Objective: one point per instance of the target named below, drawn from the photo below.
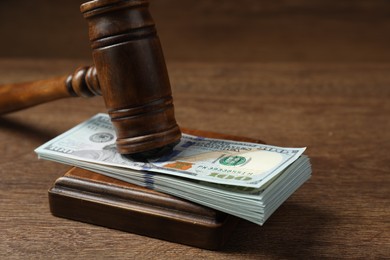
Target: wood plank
(247, 30)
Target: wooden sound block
(93, 198)
(96, 199)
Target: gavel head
(132, 75)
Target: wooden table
(341, 112)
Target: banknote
(255, 205)
(252, 204)
(246, 180)
(198, 158)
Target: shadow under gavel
(129, 72)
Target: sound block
(96, 199)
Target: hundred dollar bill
(255, 205)
(198, 158)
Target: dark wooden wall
(203, 30)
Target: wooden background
(292, 73)
(228, 30)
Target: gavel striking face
(129, 72)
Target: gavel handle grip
(83, 82)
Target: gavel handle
(82, 83)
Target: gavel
(129, 72)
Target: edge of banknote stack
(243, 179)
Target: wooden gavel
(129, 72)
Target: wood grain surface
(340, 111)
(204, 30)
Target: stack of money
(247, 180)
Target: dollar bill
(198, 169)
(255, 205)
(199, 158)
